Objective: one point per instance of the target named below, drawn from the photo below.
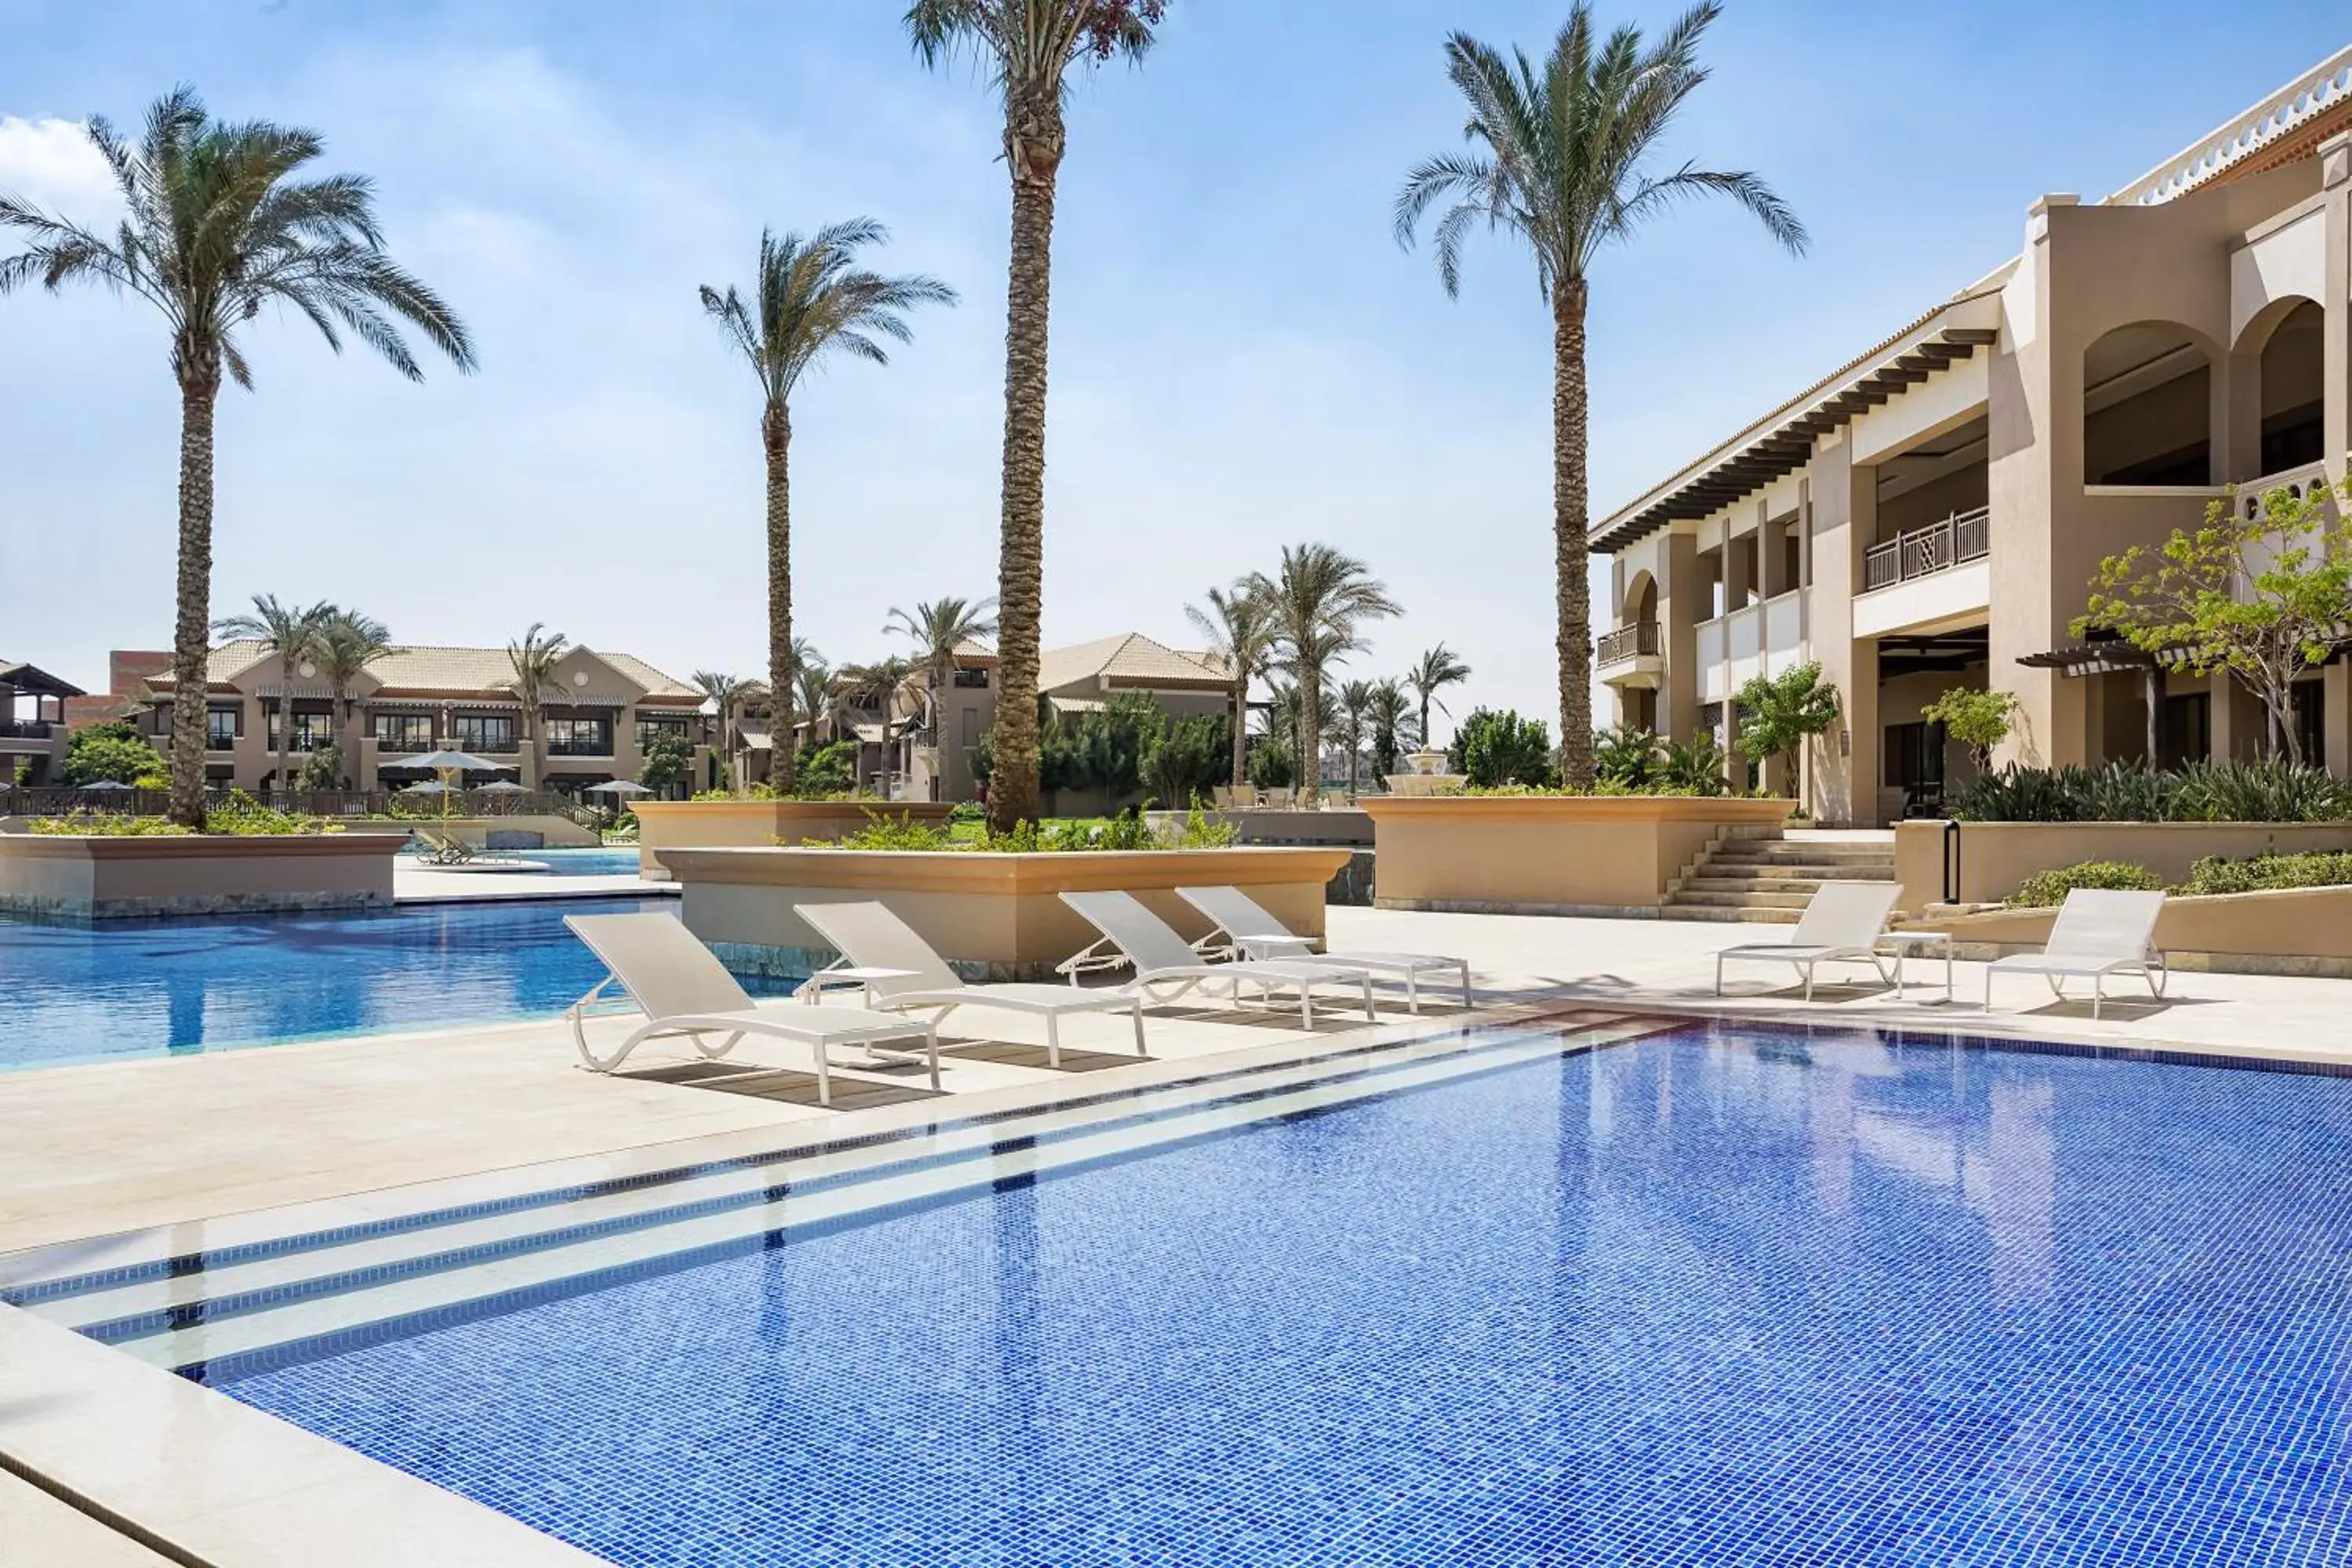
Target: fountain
(1426, 777)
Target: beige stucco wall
(667, 825)
(1997, 857)
(1001, 911)
(1544, 854)
(108, 878)
(2309, 924)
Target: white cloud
(51, 163)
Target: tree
(112, 753)
(1391, 717)
(1287, 714)
(293, 636)
(725, 693)
(1779, 713)
(1625, 757)
(2264, 595)
(217, 226)
(533, 661)
(1496, 749)
(1027, 47)
(1319, 602)
(938, 628)
(1562, 160)
(1355, 714)
(1977, 718)
(349, 642)
(814, 680)
(669, 762)
(1240, 635)
(1186, 759)
(809, 298)
(1439, 669)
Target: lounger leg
(931, 1039)
(1809, 983)
(1718, 975)
(2098, 994)
(1306, 1004)
(1370, 1017)
(1053, 1041)
(824, 1076)
(1411, 990)
(1137, 1014)
(1469, 1003)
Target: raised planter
(523, 830)
(102, 877)
(2291, 930)
(1984, 862)
(997, 917)
(667, 825)
(1548, 854)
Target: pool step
(1771, 880)
(196, 1315)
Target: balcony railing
(1635, 641)
(580, 748)
(1963, 537)
(26, 729)
(2301, 483)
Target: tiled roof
(414, 669)
(1129, 659)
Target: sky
(1243, 356)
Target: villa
(34, 716)
(1930, 514)
(412, 701)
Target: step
(1804, 854)
(242, 1300)
(1740, 897)
(1727, 914)
(1740, 871)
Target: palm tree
(293, 636)
(815, 696)
(1563, 162)
(1240, 634)
(1027, 47)
(724, 692)
(1355, 709)
(534, 660)
(1318, 603)
(347, 644)
(1438, 669)
(218, 226)
(1390, 720)
(809, 298)
(938, 628)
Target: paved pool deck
(95, 1149)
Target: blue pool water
(1729, 1296)
(600, 862)
(133, 988)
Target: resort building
(1930, 514)
(609, 710)
(32, 724)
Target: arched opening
(2294, 389)
(1641, 600)
(2147, 401)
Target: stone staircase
(1769, 877)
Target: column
(2336, 717)
(2241, 722)
(2336, 182)
(1682, 604)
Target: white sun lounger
(871, 937)
(1842, 924)
(2099, 932)
(1161, 957)
(684, 990)
(1245, 924)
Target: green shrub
(2268, 789)
(827, 770)
(2266, 873)
(2046, 889)
(239, 816)
(1626, 757)
(967, 811)
(114, 754)
(1270, 764)
(1492, 749)
(1694, 766)
(107, 825)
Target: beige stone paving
(37, 1531)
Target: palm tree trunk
(285, 723)
(1310, 734)
(776, 439)
(192, 627)
(1019, 585)
(1570, 540)
(1241, 742)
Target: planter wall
(1996, 857)
(665, 825)
(523, 830)
(1552, 854)
(2296, 931)
(996, 917)
(104, 877)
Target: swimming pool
(143, 988)
(607, 860)
(1721, 1294)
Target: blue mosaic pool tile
(1726, 1297)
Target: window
(487, 733)
(309, 730)
(2187, 735)
(970, 726)
(1915, 755)
(2310, 728)
(402, 731)
(971, 679)
(579, 737)
(222, 728)
(652, 730)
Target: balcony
(1963, 537)
(1627, 642)
(26, 729)
(2302, 483)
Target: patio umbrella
(430, 786)
(455, 763)
(619, 788)
(501, 786)
(106, 784)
